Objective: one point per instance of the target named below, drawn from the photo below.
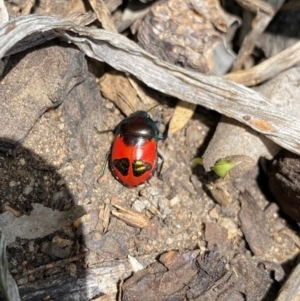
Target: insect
(133, 158)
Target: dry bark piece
(268, 68)
(131, 217)
(200, 46)
(279, 44)
(256, 6)
(284, 182)
(250, 278)
(259, 24)
(176, 275)
(147, 98)
(116, 87)
(28, 7)
(59, 7)
(112, 5)
(86, 284)
(104, 216)
(103, 14)
(281, 33)
(216, 235)
(254, 225)
(247, 278)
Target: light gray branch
(228, 98)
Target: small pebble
(61, 182)
(232, 228)
(27, 190)
(57, 196)
(22, 281)
(31, 278)
(31, 246)
(213, 213)
(12, 183)
(169, 240)
(72, 269)
(175, 200)
(22, 161)
(140, 205)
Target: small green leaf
(222, 167)
(197, 161)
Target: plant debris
(70, 72)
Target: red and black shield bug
(133, 156)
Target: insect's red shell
(133, 157)
(146, 152)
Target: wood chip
(103, 14)
(131, 217)
(254, 225)
(181, 115)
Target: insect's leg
(160, 137)
(161, 164)
(104, 164)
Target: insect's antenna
(105, 131)
(151, 108)
(127, 101)
(103, 168)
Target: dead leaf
(181, 115)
